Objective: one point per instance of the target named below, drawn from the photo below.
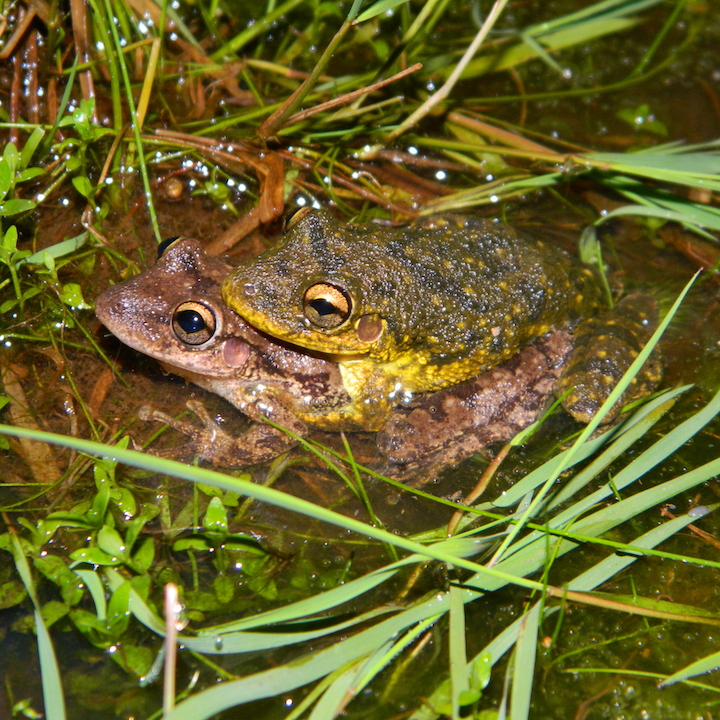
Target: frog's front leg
(373, 391)
(259, 443)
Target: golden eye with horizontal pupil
(193, 323)
(294, 217)
(326, 306)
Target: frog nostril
(249, 289)
(193, 323)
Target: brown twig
(350, 97)
(480, 488)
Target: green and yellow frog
(173, 312)
(411, 309)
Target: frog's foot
(605, 347)
(259, 443)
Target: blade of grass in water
(367, 640)
(524, 666)
(616, 449)
(699, 667)
(585, 582)
(457, 649)
(539, 476)
(342, 689)
(53, 697)
(133, 114)
(609, 403)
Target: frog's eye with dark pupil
(165, 245)
(326, 306)
(193, 323)
(295, 216)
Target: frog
(174, 312)
(415, 308)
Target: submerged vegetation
(315, 586)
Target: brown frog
(174, 313)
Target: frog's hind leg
(605, 347)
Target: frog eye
(193, 323)
(326, 306)
(165, 245)
(294, 217)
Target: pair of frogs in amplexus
(443, 336)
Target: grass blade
(53, 697)
(699, 667)
(524, 666)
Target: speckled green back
(449, 289)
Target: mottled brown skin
(496, 405)
(410, 309)
(259, 377)
(266, 379)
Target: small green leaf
(55, 570)
(193, 543)
(109, 541)
(379, 8)
(143, 558)
(100, 503)
(479, 673)
(73, 162)
(58, 250)
(209, 490)
(119, 607)
(29, 174)
(6, 179)
(11, 157)
(265, 588)
(216, 516)
(133, 659)
(468, 697)
(71, 294)
(643, 120)
(588, 246)
(224, 588)
(125, 502)
(142, 585)
(94, 556)
(9, 243)
(29, 148)
(12, 593)
(93, 583)
(201, 600)
(134, 527)
(15, 206)
(24, 708)
(53, 611)
(83, 186)
(88, 623)
(48, 261)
